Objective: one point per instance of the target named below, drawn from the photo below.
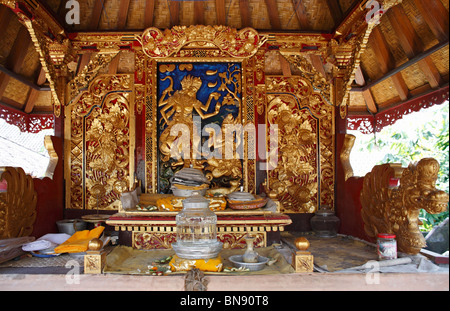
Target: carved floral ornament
(241, 44)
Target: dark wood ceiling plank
(274, 15)
(199, 12)
(246, 19)
(149, 12)
(335, 11)
(412, 44)
(300, 13)
(436, 16)
(123, 14)
(174, 8)
(96, 14)
(221, 13)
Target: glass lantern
(196, 230)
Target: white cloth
(46, 241)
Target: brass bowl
(248, 205)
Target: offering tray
(238, 261)
(258, 202)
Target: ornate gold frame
(100, 144)
(199, 44)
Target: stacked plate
(187, 181)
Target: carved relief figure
(179, 107)
(294, 179)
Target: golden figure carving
(179, 106)
(396, 210)
(349, 141)
(100, 128)
(305, 137)
(17, 204)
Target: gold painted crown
(189, 81)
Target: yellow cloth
(211, 265)
(79, 241)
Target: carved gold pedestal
(94, 261)
(302, 260)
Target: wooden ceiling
(407, 54)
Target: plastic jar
(386, 246)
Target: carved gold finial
(302, 243)
(95, 244)
(302, 260)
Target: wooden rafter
(436, 16)
(96, 14)
(386, 62)
(174, 8)
(335, 11)
(123, 14)
(300, 13)
(412, 44)
(220, 11)
(246, 20)
(274, 16)
(149, 12)
(199, 12)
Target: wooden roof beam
(436, 16)
(149, 12)
(31, 100)
(370, 101)
(386, 61)
(220, 11)
(199, 12)
(123, 14)
(4, 80)
(96, 14)
(174, 9)
(246, 20)
(335, 11)
(300, 12)
(274, 16)
(412, 44)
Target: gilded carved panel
(100, 127)
(301, 167)
(230, 99)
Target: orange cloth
(181, 264)
(79, 241)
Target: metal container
(238, 261)
(69, 226)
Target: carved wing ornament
(17, 204)
(396, 210)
